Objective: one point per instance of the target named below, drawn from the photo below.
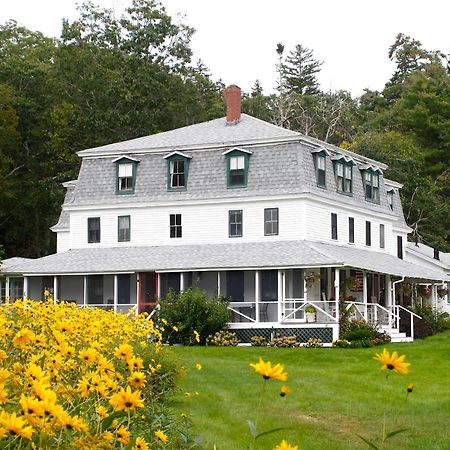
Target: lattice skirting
(303, 334)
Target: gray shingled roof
(13, 265)
(222, 256)
(426, 251)
(214, 132)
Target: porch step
(395, 334)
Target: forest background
(111, 78)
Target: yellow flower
(126, 400)
(15, 425)
(102, 412)
(196, 336)
(73, 423)
(410, 388)
(175, 328)
(3, 355)
(124, 351)
(285, 446)
(23, 338)
(137, 380)
(267, 371)
(161, 436)
(284, 391)
(4, 375)
(140, 444)
(3, 394)
(123, 435)
(198, 366)
(31, 406)
(392, 362)
(187, 394)
(135, 363)
(88, 356)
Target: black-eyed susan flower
(102, 412)
(3, 394)
(140, 444)
(123, 435)
(159, 434)
(23, 338)
(284, 445)
(137, 380)
(3, 355)
(392, 362)
(31, 406)
(124, 352)
(284, 391)
(410, 388)
(88, 356)
(267, 371)
(198, 366)
(15, 425)
(126, 400)
(197, 336)
(135, 363)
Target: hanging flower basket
(311, 278)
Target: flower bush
(83, 378)
(192, 311)
(223, 339)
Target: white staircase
(395, 334)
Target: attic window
(177, 171)
(125, 175)
(237, 167)
(320, 166)
(371, 180)
(344, 176)
(390, 197)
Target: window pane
(321, 162)
(348, 172)
(93, 229)
(236, 177)
(237, 162)
(270, 221)
(340, 170)
(368, 234)
(124, 229)
(376, 180)
(381, 236)
(125, 170)
(235, 223)
(351, 230)
(334, 231)
(321, 177)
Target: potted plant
(310, 314)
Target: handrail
(304, 304)
(242, 314)
(409, 311)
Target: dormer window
(320, 166)
(177, 171)
(390, 198)
(371, 181)
(343, 169)
(125, 175)
(237, 167)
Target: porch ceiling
(249, 255)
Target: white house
(273, 219)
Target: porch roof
(249, 255)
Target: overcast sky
(237, 39)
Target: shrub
(362, 343)
(82, 378)
(258, 341)
(432, 321)
(223, 339)
(284, 341)
(189, 311)
(359, 330)
(341, 343)
(381, 339)
(314, 343)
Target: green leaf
(106, 423)
(393, 433)
(252, 427)
(274, 430)
(370, 444)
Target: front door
(148, 292)
(293, 296)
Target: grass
(335, 395)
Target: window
(351, 230)
(400, 247)
(93, 230)
(320, 170)
(390, 197)
(178, 168)
(125, 175)
(270, 221)
(372, 185)
(382, 243)
(235, 223)
(344, 176)
(368, 234)
(237, 167)
(175, 226)
(123, 234)
(95, 289)
(2, 289)
(334, 230)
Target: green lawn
(335, 394)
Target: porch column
(257, 294)
(182, 281)
(138, 293)
(388, 284)
(85, 290)
(7, 290)
(365, 294)
(25, 287)
(115, 292)
(158, 287)
(433, 296)
(336, 291)
(219, 287)
(280, 295)
(55, 289)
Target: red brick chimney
(232, 96)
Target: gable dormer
(125, 179)
(237, 167)
(343, 172)
(371, 182)
(177, 171)
(320, 163)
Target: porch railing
(325, 311)
(398, 308)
